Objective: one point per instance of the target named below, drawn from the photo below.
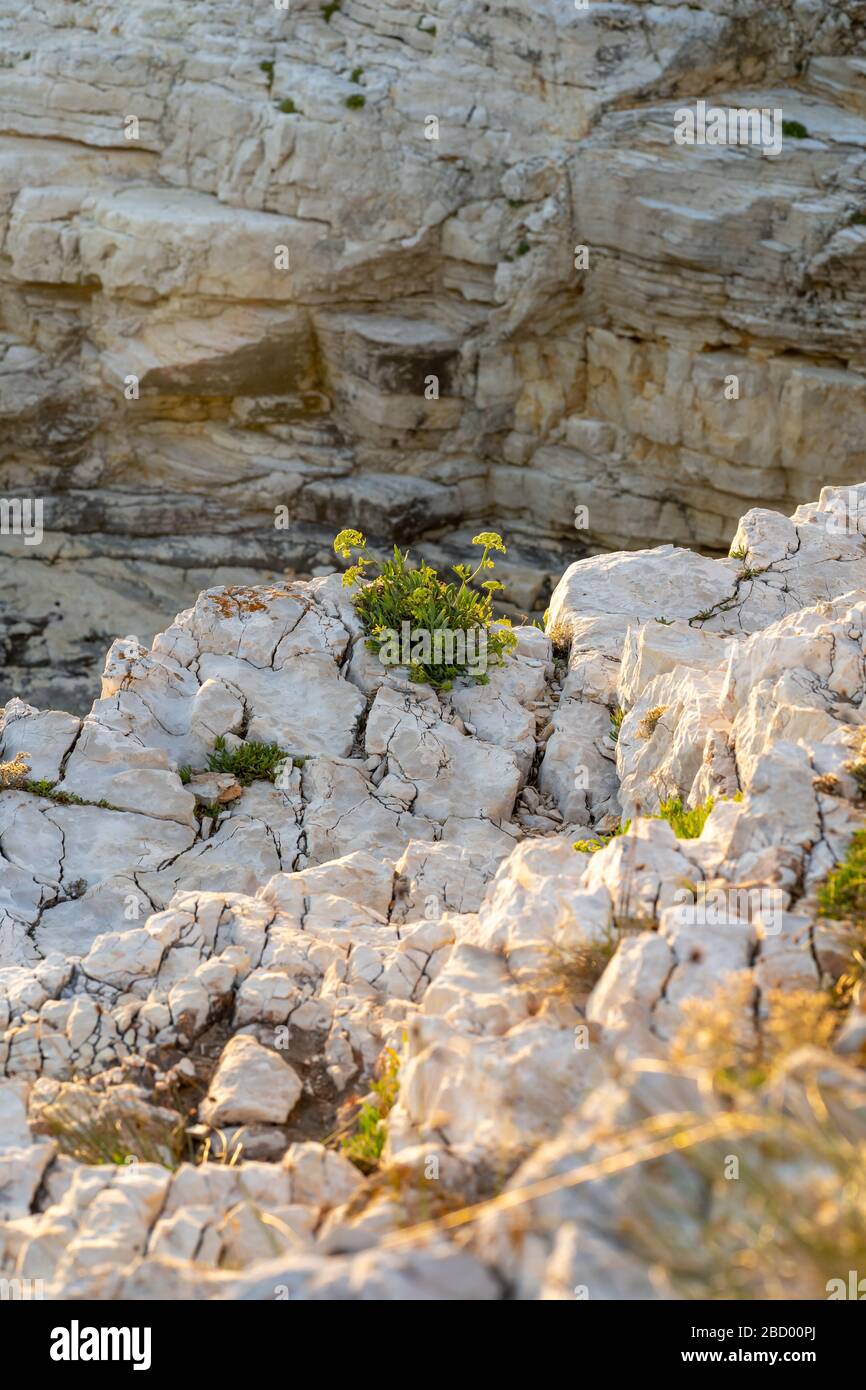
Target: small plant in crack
(267, 67)
(364, 1147)
(795, 129)
(185, 773)
(288, 107)
(686, 822)
(739, 554)
(843, 893)
(208, 810)
(665, 622)
(356, 101)
(414, 618)
(616, 717)
(332, 8)
(249, 762)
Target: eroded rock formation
(153, 159)
(410, 881)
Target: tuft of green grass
(249, 762)
(185, 773)
(843, 893)
(429, 605)
(332, 8)
(616, 717)
(523, 249)
(795, 129)
(356, 74)
(356, 101)
(364, 1147)
(686, 823)
(267, 67)
(287, 107)
(739, 554)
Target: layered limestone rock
(200, 975)
(322, 265)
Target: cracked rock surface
(196, 962)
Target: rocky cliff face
(177, 945)
(319, 265)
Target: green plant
(42, 787)
(795, 129)
(208, 809)
(267, 67)
(665, 622)
(603, 838)
(330, 9)
(426, 29)
(364, 1147)
(857, 219)
(356, 74)
(440, 612)
(287, 107)
(523, 249)
(686, 823)
(248, 762)
(616, 717)
(185, 773)
(843, 893)
(739, 554)
(356, 101)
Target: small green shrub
(267, 67)
(356, 101)
(356, 74)
(616, 717)
(843, 893)
(330, 9)
(429, 605)
(364, 1147)
(287, 107)
(249, 762)
(687, 824)
(857, 219)
(523, 249)
(185, 773)
(795, 129)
